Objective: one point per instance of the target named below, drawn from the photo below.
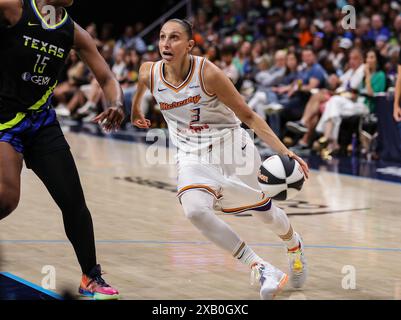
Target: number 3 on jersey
(40, 64)
(195, 115)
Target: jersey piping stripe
(152, 78)
(56, 26)
(12, 123)
(201, 79)
(186, 81)
(246, 208)
(199, 186)
(45, 100)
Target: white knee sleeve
(198, 208)
(276, 218)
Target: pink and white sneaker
(94, 286)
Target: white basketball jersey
(196, 119)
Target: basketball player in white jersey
(204, 111)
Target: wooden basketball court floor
(351, 227)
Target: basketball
(280, 177)
(185, 132)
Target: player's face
(174, 44)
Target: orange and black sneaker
(94, 286)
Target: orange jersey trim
(152, 78)
(186, 81)
(199, 186)
(246, 208)
(201, 79)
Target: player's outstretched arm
(217, 83)
(85, 46)
(137, 116)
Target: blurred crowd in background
(314, 81)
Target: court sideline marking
(156, 242)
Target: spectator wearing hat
(345, 43)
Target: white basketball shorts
(228, 171)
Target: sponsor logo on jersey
(31, 24)
(196, 128)
(44, 47)
(178, 104)
(39, 80)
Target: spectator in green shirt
(359, 103)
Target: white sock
(246, 255)
(291, 240)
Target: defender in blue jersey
(32, 54)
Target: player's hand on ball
(110, 119)
(303, 164)
(139, 120)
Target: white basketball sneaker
(272, 280)
(298, 266)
